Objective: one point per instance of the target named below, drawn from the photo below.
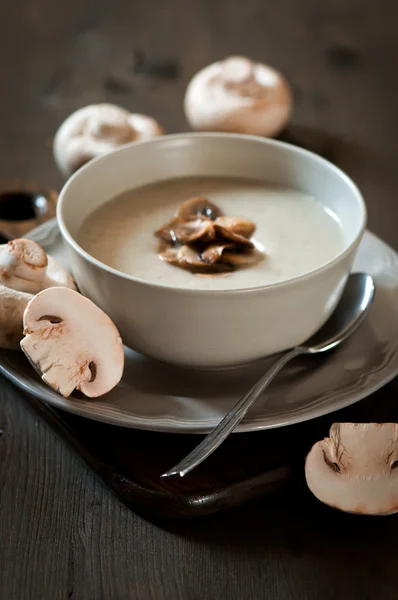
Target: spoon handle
(232, 419)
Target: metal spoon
(349, 314)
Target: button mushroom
(72, 343)
(355, 468)
(25, 270)
(98, 129)
(238, 95)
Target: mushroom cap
(355, 468)
(238, 95)
(72, 343)
(25, 267)
(98, 129)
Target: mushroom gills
(354, 469)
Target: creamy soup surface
(295, 231)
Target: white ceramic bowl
(208, 329)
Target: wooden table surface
(62, 534)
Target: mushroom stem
(12, 306)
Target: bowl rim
(215, 291)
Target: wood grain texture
(62, 535)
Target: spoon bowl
(349, 314)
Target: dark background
(62, 534)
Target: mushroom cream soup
(294, 231)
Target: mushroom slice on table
(355, 468)
(72, 343)
(238, 95)
(97, 129)
(25, 270)
(199, 207)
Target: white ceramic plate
(159, 397)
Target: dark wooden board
(246, 467)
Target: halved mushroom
(25, 269)
(72, 343)
(238, 95)
(97, 129)
(355, 468)
(199, 207)
(184, 232)
(237, 225)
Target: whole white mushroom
(25, 270)
(355, 468)
(97, 129)
(238, 95)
